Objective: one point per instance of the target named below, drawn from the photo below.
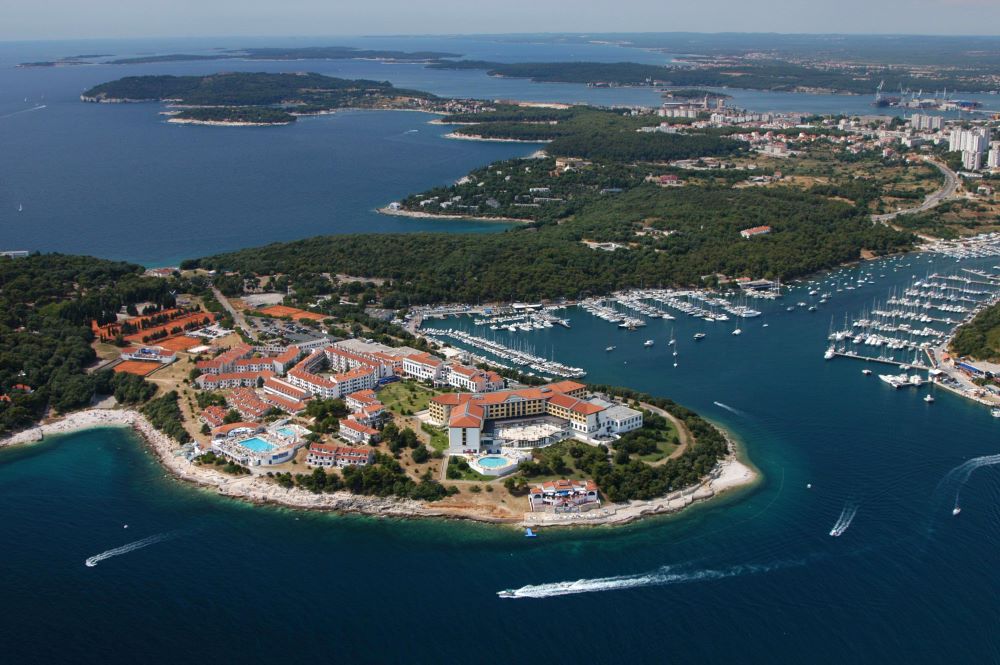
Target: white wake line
(965, 470)
(661, 577)
(130, 547)
(729, 408)
(34, 108)
(844, 521)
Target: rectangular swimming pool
(258, 445)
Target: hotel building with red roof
(469, 416)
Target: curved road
(946, 192)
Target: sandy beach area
(477, 137)
(429, 215)
(729, 474)
(225, 123)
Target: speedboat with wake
(507, 593)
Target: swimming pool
(287, 431)
(258, 445)
(495, 465)
(493, 462)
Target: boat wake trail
(844, 521)
(34, 108)
(961, 474)
(661, 577)
(729, 408)
(130, 547)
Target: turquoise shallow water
(754, 577)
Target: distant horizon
(138, 19)
(420, 35)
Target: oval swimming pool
(493, 462)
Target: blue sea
(753, 577)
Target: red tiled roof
(226, 429)
(358, 427)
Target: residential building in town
(424, 367)
(473, 379)
(334, 455)
(357, 432)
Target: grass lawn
(439, 440)
(663, 449)
(406, 396)
(469, 474)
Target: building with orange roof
(473, 379)
(424, 367)
(213, 416)
(231, 380)
(564, 496)
(356, 432)
(247, 403)
(236, 430)
(333, 455)
(561, 409)
(360, 399)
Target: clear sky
(62, 19)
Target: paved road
(946, 192)
(237, 316)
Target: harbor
(913, 329)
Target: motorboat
(928, 398)
(866, 372)
(956, 510)
(829, 353)
(648, 343)
(609, 349)
(506, 593)
(700, 335)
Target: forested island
(251, 89)
(263, 98)
(293, 53)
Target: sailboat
(673, 340)
(20, 208)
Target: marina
(913, 328)
(521, 358)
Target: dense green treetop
(248, 89)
